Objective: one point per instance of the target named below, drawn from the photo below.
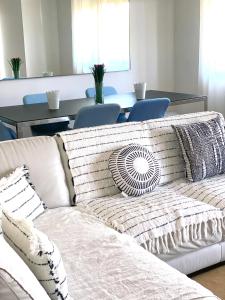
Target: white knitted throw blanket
(159, 221)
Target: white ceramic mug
(53, 99)
(140, 90)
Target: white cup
(53, 99)
(140, 90)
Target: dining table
(23, 117)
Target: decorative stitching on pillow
(41, 255)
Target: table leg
(23, 131)
(205, 103)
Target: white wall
(186, 51)
(152, 59)
(49, 15)
(187, 27)
(65, 36)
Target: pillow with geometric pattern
(16, 280)
(203, 148)
(134, 169)
(17, 195)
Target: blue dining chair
(35, 99)
(107, 91)
(44, 129)
(149, 109)
(97, 115)
(6, 133)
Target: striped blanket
(159, 221)
(210, 190)
(86, 151)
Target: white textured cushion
(41, 255)
(210, 190)
(17, 195)
(41, 156)
(134, 170)
(16, 279)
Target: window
(212, 50)
(212, 42)
(100, 31)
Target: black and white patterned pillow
(17, 195)
(203, 148)
(16, 279)
(40, 254)
(134, 169)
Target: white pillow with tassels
(38, 252)
(17, 195)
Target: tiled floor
(214, 280)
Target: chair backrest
(97, 115)
(5, 133)
(149, 109)
(35, 98)
(107, 91)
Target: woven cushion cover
(203, 148)
(134, 170)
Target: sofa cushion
(165, 145)
(203, 148)
(41, 156)
(16, 279)
(134, 170)
(17, 195)
(38, 252)
(210, 190)
(159, 221)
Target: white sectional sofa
(100, 262)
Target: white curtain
(212, 53)
(100, 30)
(2, 64)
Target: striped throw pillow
(17, 282)
(134, 169)
(203, 148)
(17, 195)
(38, 252)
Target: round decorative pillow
(134, 169)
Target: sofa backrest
(85, 152)
(41, 156)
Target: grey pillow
(203, 148)
(134, 169)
